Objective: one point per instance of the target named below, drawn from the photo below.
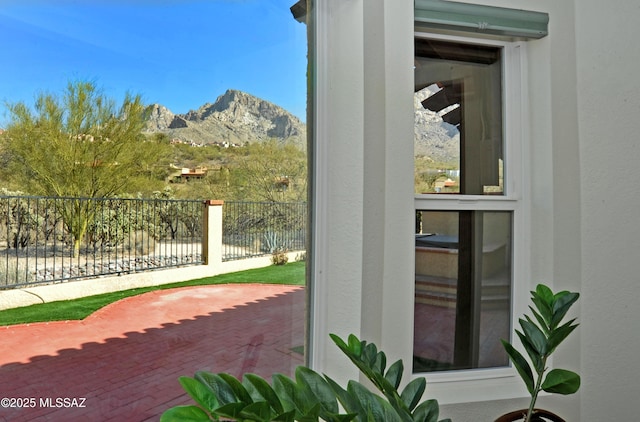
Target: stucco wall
(584, 99)
(362, 185)
(583, 104)
(608, 53)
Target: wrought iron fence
(261, 228)
(45, 239)
(49, 240)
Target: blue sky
(179, 53)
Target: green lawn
(292, 273)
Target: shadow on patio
(125, 359)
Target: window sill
(473, 385)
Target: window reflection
(458, 119)
(463, 289)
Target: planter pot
(540, 415)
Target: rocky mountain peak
(433, 137)
(159, 118)
(235, 117)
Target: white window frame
(493, 383)
(362, 49)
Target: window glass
(458, 119)
(223, 84)
(463, 250)
(463, 289)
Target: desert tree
(270, 171)
(80, 144)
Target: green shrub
(279, 257)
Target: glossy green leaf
(544, 310)
(376, 409)
(521, 365)
(340, 418)
(561, 298)
(394, 374)
(285, 388)
(366, 398)
(231, 410)
(260, 389)
(534, 336)
(354, 350)
(544, 325)
(286, 417)
(369, 354)
(318, 387)
(559, 334)
(531, 321)
(338, 341)
(350, 403)
(413, 392)
(238, 389)
(258, 411)
(311, 414)
(561, 381)
(185, 414)
(535, 357)
(380, 363)
(295, 396)
(344, 347)
(542, 298)
(200, 393)
(223, 392)
(561, 305)
(355, 345)
(427, 411)
(543, 292)
(386, 388)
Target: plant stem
(536, 390)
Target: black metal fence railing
(259, 228)
(50, 240)
(45, 239)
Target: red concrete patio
(125, 359)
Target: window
(214, 74)
(467, 205)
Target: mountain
(434, 138)
(235, 118)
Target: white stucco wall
(608, 53)
(363, 187)
(583, 100)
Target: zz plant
(540, 337)
(309, 396)
(398, 406)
